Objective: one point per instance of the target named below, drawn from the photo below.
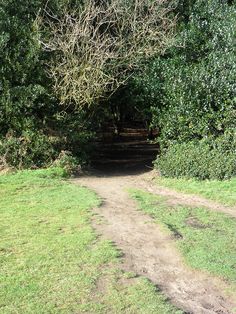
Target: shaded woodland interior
(129, 149)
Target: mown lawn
(206, 239)
(220, 191)
(51, 260)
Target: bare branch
(96, 49)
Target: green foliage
(191, 90)
(33, 127)
(22, 91)
(30, 150)
(192, 87)
(205, 238)
(35, 148)
(67, 162)
(188, 93)
(200, 159)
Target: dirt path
(180, 198)
(148, 251)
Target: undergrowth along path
(148, 250)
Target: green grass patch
(220, 191)
(206, 239)
(51, 260)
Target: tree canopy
(66, 66)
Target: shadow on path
(129, 153)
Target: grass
(206, 239)
(220, 191)
(51, 260)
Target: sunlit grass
(206, 239)
(220, 191)
(51, 260)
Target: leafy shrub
(205, 159)
(192, 87)
(191, 90)
(67, 162)
(34, 129)
(31, 150)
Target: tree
(192, 88)
(97, 47)
(33, 128)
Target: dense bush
(29, 150)
(67, 162)
(25, 103)
(192, 87)
(204, 159)
(34, 149)
(33, 127)
(192, 92)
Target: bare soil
(150, 252)
(177, 198)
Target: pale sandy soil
(147, 250)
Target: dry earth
(147, 250)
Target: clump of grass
(206, 238)
(50, 257)
(220, 191)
